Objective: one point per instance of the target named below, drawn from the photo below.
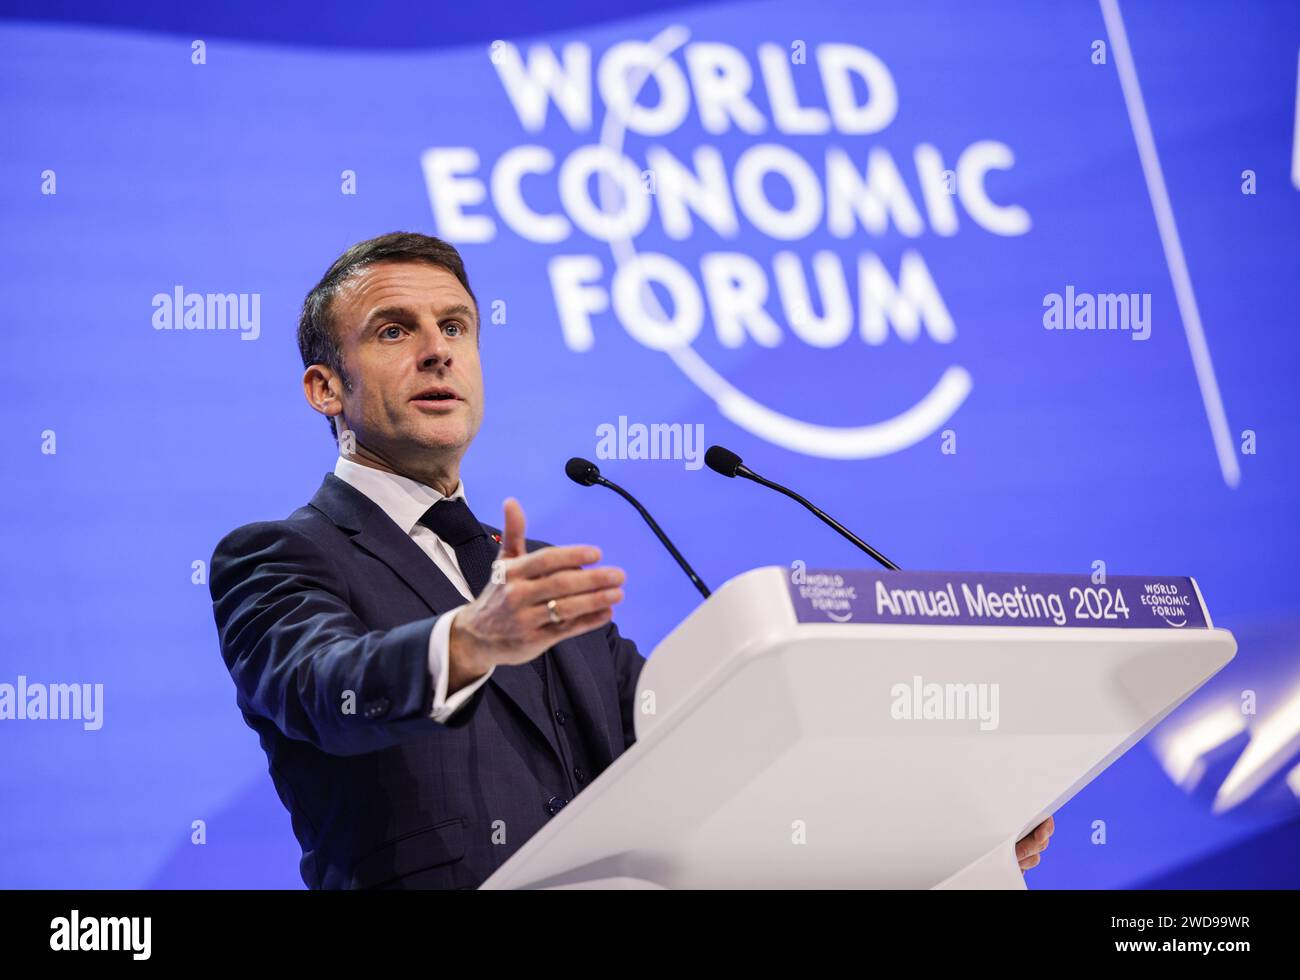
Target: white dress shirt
(405, 501)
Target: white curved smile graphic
(831, 442)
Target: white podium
(861, 729)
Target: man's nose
(436, 350)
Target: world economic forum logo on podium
(777, 194)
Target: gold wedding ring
(552, 610)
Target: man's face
(409, 336)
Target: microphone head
(722, 461)
(582, 471)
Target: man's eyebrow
(401, 313)
(460, 309)
(389, 313)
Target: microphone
(727, 463)
(585, 473)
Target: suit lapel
(374, 532)
(519, 684)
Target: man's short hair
(318, 341)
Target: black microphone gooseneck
(727, 463)
(585, 473)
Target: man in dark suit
(429, 690)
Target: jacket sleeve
(301, 658)
(627, 669)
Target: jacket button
(561, 717)
(554, 805)
(377, 708)
(579, 775)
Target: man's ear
(323, 389)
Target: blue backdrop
(644, 198)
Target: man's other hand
(1029, 849)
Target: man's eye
(453, 325)
(392, 331)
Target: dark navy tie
(455, 523)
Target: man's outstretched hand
(509, 622)
(1029, 849)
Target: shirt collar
(404, 500)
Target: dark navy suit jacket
(338, 599)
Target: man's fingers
(1026, 847)
(573, 607)
(569, 582)
(583, 624)
(556, 558)
(1036, 840)
(512, 531)
(1030, 862)
(573, 626)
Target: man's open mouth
(433, 395)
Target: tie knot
(453, 521)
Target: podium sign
(884, 729)
(997, 599)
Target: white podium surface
(778, 751)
